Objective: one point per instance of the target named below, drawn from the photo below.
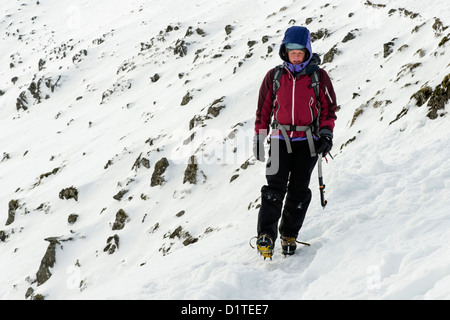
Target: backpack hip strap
(306, 129)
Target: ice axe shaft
(323, 202)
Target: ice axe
(323, 202)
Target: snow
(383, 235)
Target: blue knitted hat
(294, 46)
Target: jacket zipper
(293, 104)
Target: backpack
(314, 127)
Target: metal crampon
(264, 246)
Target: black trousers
(288, 175)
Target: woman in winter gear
(292, 157)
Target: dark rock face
(157, 176)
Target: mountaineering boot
(288, 245)
(264, 244)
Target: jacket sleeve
(328, 102)
(265, 103)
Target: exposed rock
(181, 234)
(41, 64)
(387, 48)
(359, 111)
(436, 98)
(69, 193)
(422, 95)
(251, 43)
(439, 97)
(37, 90)
(215, 108)
(348, 141)
(118, 88)
(374, 5)
(199, 31)
(38, 297)
(441, 43)
(6, 156)
(195, 121)
(187, 97)
(46, 175)
(29, 292)
(329, 56)
(322, 33)
(112, 243)
(228, 29)
(213, 111)
(3, 236)
(121, 218)
(22, 101)
(48, 261)
(12, 207)
(399, 115)
(190, 174)
(180, 48)
(190, 240)
(72, 218)
(408, 13)
(157, 176)
(126, 66)
(155, 77)
(348, 37)
(141, 161)
(177, 233)
(179, 214)
(79, 56)
(407, 69)
(120, 195)
(438, 26)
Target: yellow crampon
(264, 247)
(266, 252)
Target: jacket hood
(298, 35)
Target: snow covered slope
(126, 169)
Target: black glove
(258, 147)
(325, 142)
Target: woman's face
(296, 56)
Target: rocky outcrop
(157, 176)
(37, 91)
(12, 207)
(121, 218)
(69, 193)
(438, 99)
(48, 261)
(190, 174)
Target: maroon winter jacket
(295, 103)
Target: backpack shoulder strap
(278, 72)
(315, 83)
